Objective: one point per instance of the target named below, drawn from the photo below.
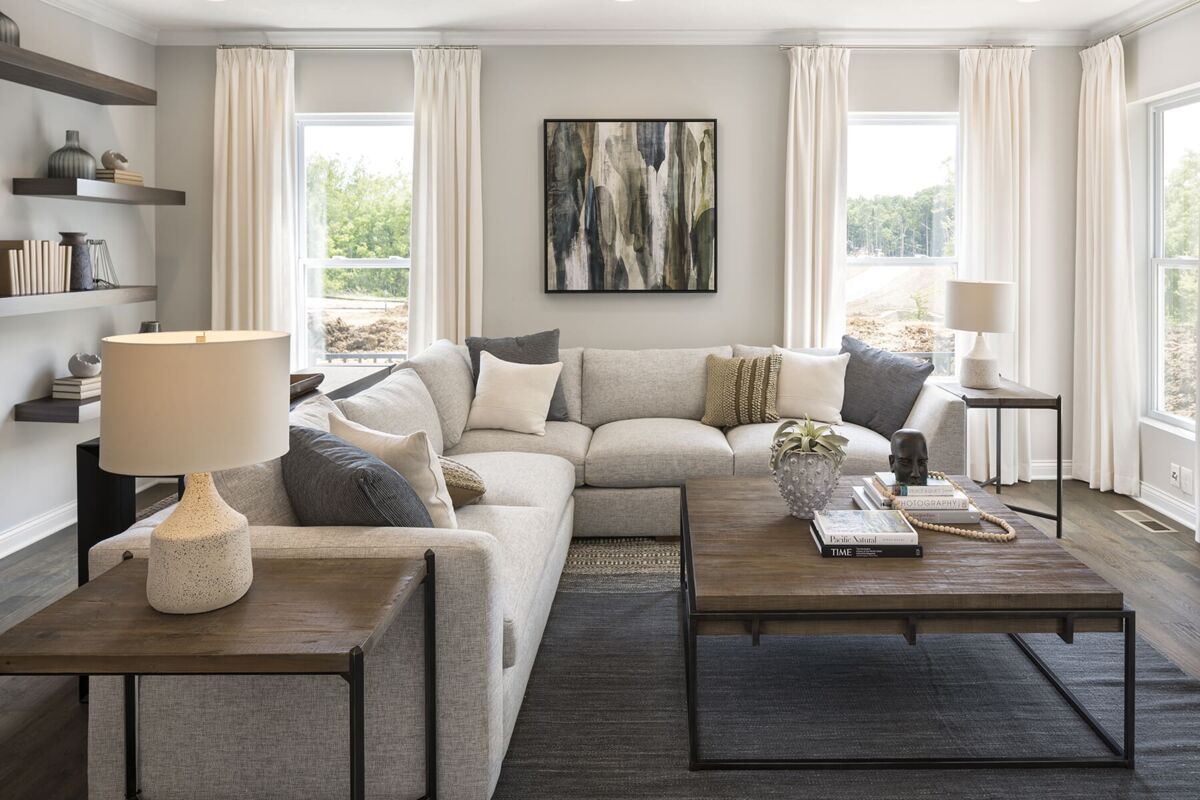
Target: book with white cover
(868, 502)
(935, 487)
(864, 527)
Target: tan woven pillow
(741, 391)
(463, 483)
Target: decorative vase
(9, 32)
(71, 160)
(81, 262)
(806, 481)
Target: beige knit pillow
(741, 391)
(464, 483)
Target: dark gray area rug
(604, 714)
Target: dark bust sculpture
(909, 458)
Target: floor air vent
(1145, 521)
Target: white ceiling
(719, 17)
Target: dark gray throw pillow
(332, 482)
(535, 348)
(881, 387)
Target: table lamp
(188, 403)
(981, 307)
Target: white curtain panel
(1107, 377)
(815, 202)
(993, 230)
(446, 286)
(254, 206)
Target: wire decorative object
(102, 264)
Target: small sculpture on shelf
(111, 159)
(84, 365)
(103, 269)
(71, 160)
(909, 458)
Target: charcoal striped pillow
(741, 391)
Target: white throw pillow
(513, 397)
(811, 385)
(412, 456)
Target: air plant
(794, 436)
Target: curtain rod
(1159, 17)
(921, 46)
(347, 47)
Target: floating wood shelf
(48, 409)
(97, 191)
(43, 72)
(71, 301)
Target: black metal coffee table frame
(1122, 750)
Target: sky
(379, 146)
(890, 158)
(1181, 132)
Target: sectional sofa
(612, 469)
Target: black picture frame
(546, 171)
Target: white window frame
(303, 262)
(921, 118)
(1157, 262)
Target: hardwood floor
(43, 728)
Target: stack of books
(75, 388)
(938, 502)
(125, 176)
(864, 534)
(34, 267)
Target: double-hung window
(1175, 247)
(900, 232)
(355, 210)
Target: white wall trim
(1131, 16)
(1177, 508)
(398, 38)
(100, 14)
(1045, 469)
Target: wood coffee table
(749, 568)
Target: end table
(301, 616)
(1013, 395)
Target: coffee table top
(300, 616)
(750, 554)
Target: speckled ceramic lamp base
(200, 555)
(979, 369)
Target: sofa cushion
(446, 372)
(811, 385)
(751, 444)
(567, 439)
(511, 396)
(400, 404)
(533, 348)
(572, 381)
(526, 538)
(314, 413)
(655, 452)
(755, 351)
(881, 387)
(741, 390)
(522, 479)
(465, 485)
(634, 384)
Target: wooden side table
(1011, 394)
(300, 617)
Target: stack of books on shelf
(34, 267)
(125, 176)
(75, 388)
(864, 534)
(938, 502)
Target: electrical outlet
(1185, 480)
(1175, 475)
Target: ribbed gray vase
(9, 32)
(806, 481)
(71, 160)
(81, 261)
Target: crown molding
(1131, 16)
(100, 14)
(393, 38)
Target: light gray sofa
(612, 469)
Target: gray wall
(37, 460)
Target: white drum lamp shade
(192, 403)
(982, 307)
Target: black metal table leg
(999, 451)
(357, 726)
(1130, 685)
(132, 789)
(1058, 489)
(431, 752)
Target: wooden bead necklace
(988, 536)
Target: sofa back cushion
(634, 384)
(445, 369)
(400, 404)
(571, 381)
(754, 351)
(533, 348)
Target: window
(355, 210)
(1175, 246)
(900, 232)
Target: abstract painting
(631, 205)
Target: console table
(1013, 395)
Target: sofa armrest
(470, 643)
(942, 417)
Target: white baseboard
(39, 527)
(1168, 505)
(1046, 469)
